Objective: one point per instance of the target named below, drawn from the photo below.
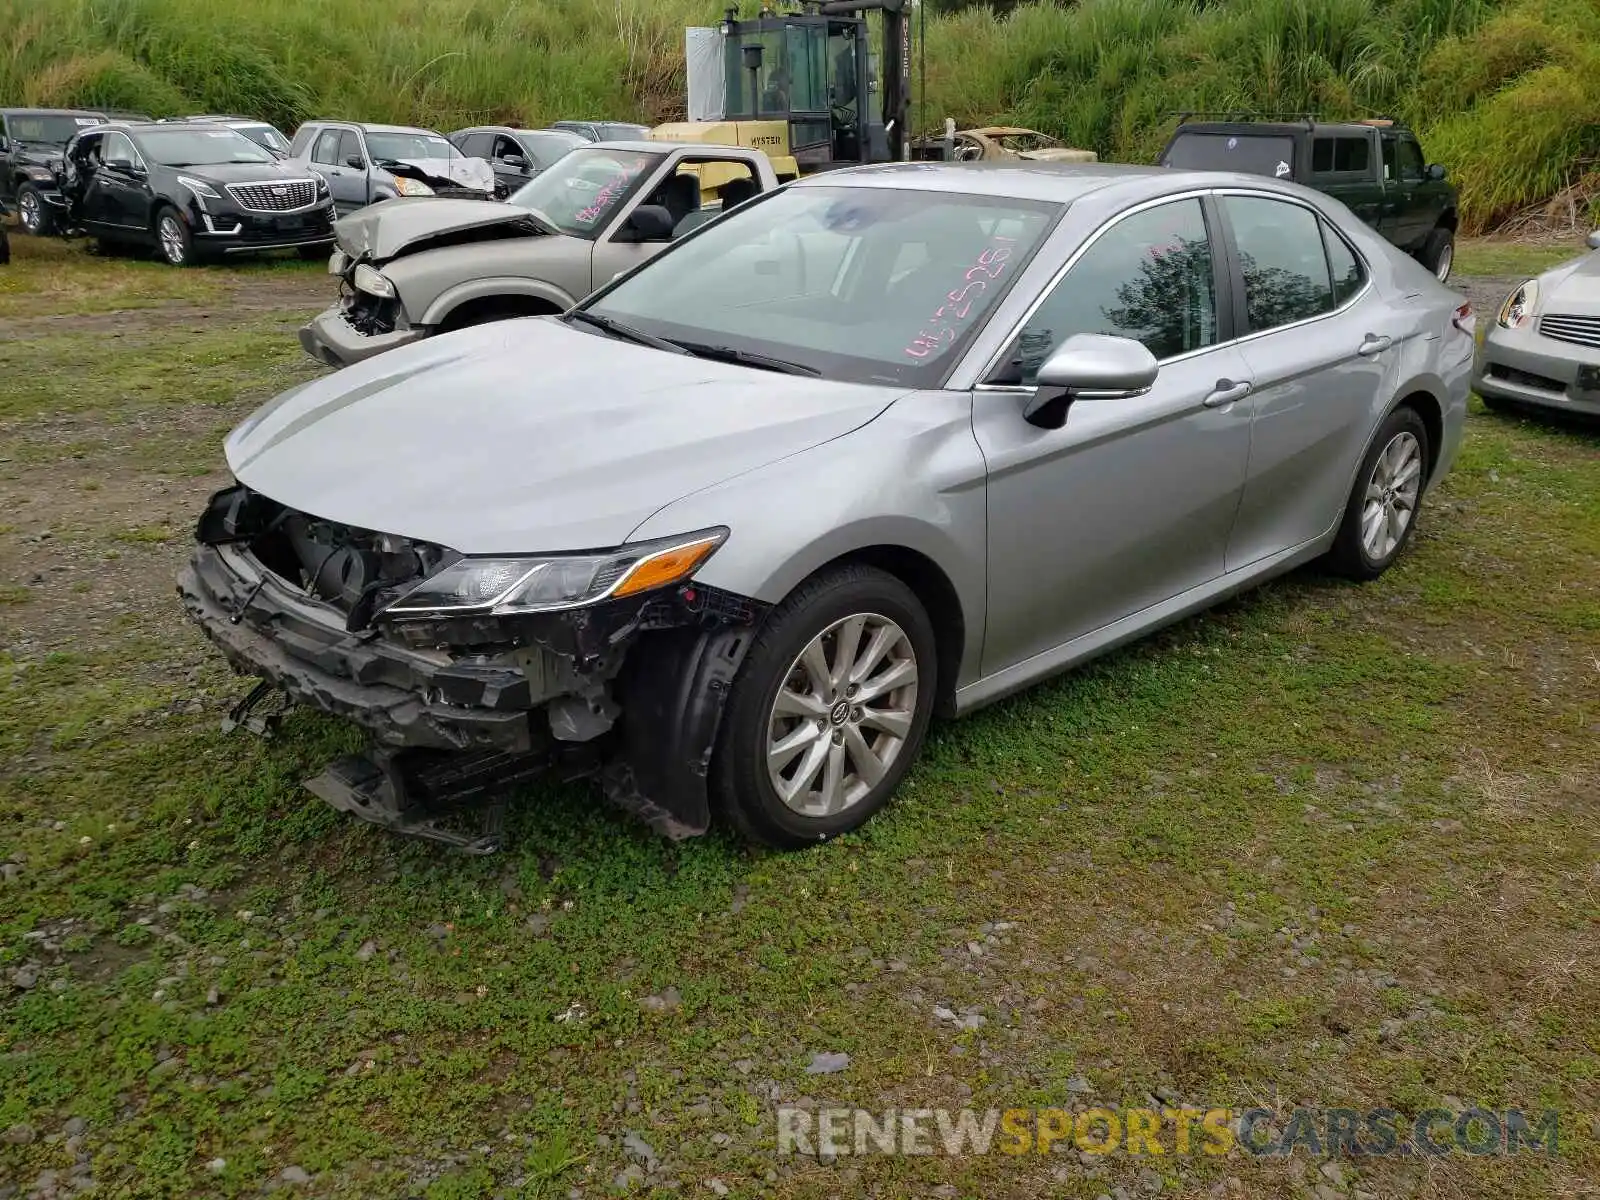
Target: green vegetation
(1330, 843)
(1506, 92)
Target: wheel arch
(518, 303)
(500, 289)
(936, 591)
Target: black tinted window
(1148, 278)
(1345, 155)
(1348, 274)
(1409, 156)
(476, 145)
(350, 146)
(1280, 253)
(1256, 154)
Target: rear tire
(831, 704)
(1384, 505)
(1439, 252)
(34, 212)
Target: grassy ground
(1327, 845)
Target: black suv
(31, 141)
(1376, 168)
(192, 190)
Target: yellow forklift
(797, 85)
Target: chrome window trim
(1027, 389)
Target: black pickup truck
(31, 141)
(1375, 167)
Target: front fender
(500, 285)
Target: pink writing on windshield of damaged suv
(943, 326)
(608, 192)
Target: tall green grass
(1505, 92)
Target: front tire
(828, 711)
(33, 212)
(1439, 252)
(1381, 515)
(173, 241)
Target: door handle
(1227, 391)
(1374, 344)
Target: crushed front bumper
(404, 697)
(330, 338)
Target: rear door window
(1285, 268)
(1348, 274)
(1341, 156)
(1254, 154)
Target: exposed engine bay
(463, 709)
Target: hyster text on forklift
(798, 84)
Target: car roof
(1284, 127)
(1054, 182)
(53, 112)
(368, 127)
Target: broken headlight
(512, 586)
(370, 280)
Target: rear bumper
(404, 697)
(331, 339)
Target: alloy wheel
(1391, 498)
(30, 212)
(172, 244)
(1446, 261)
(841, 716)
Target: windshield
(581, 191)
(546, 148)
(871, 285)
(1256, 154)
(265, 135)
(397, 147)
(53, 130)
(199, 147)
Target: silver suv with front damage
(409, 271)
(888, 442)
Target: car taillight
(1465, 319)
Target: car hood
(277, 171)
(381, 231)
(529, 435)
(463, 172)
(1573, 287)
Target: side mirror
(514, 160)
(1089, 366)
(356, 161)
(1594, 240)
(648, 223)
(1436, 172)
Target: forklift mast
(810, 71)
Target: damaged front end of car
(472, 674)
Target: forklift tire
(1439, 252)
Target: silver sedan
(1543, 346)
(885, 443)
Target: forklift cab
(812, 72)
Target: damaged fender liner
(673, 686)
